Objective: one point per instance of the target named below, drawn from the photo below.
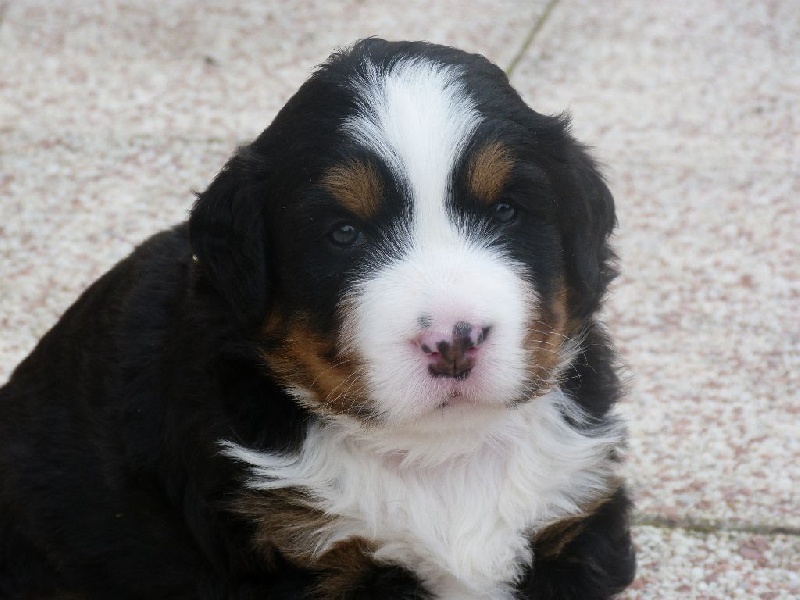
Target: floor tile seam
(531, 36)
(713, 526)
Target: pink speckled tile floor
(214, 69)
(112, 112)
(692, 105)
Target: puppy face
(418, 247)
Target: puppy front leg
(591, 558)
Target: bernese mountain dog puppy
(368, 367)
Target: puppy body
(368, 367)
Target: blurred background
(112, 111)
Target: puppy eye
(503, 212)
(345, 235)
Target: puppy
(369, 366)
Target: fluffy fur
(367, 367)
(461, 523)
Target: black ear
(588, 219)
(226, 231)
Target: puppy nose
(452, 353)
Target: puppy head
(413, 244)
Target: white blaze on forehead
(418, 117)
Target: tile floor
(112, 111)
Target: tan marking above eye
(489, 170)
(357, 186)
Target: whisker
(329, 396)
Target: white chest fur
(459, 518)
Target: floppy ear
(226, 232)
(588, 221)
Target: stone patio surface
(112, 111)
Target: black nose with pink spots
(452, 353)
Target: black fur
(598, 563)
(111, 481)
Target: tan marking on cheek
(547, 338)
(489, 171)
(301, 357)
(357, 186)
